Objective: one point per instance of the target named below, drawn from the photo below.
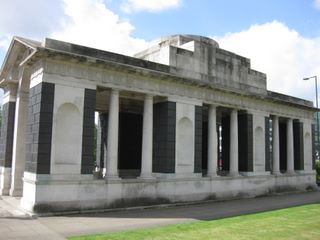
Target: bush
(317, 166)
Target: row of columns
(213, 142)
(111, 164)
(276, 146)
(111, 160)
(111, 171)
(18, 94)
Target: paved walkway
(15, 225)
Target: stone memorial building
(181, 121)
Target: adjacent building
(181, 121)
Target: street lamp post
(316, 86)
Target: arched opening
(185, 146)
(67, 137)
(259, 157)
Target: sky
(281, 37)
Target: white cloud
(149, 5)
(281, 53)
(5, 41)
(317, 3)
(91, 23)
(33, 18)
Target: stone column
(234, 154)
(212, 142)
(147, 135)
(6, 137)
(111, 164)
(290, 155)
(275, 146)
(98, 146)
(19, 143)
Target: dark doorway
(283, 146)
(225, 142)
(130, 144)
(205, 143)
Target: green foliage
(295, 223)
(317, 167)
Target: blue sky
(281, 37)
(218, 17)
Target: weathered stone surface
(163, 94)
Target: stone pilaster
(246, 144)
(147, 136)
(313, 143)
(164, 137)
(111, 171)
(198, 140)
(234, 153)
(19, 143)
(212, 142)
(39, 128)
(6, 137)
(88, 131)
(298, 142)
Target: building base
(48, 194)
(5, 180)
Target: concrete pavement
(60, 227)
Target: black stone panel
(164, 137)
(245, 141)
(298, 145)
(87, 158)
(130, 141)
(198, 140)
(283, 146)
(267, 144)
(204, 145)
(6, 137)
(225, 154)
(39, 128)
(313, 136)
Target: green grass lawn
(301, 222)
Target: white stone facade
(196, 123)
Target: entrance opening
(283, 146)
(204, 140)
(130, 131)
(224, 134)
(130, 144)
(130, 137)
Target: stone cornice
(79, 74)
(141, 67)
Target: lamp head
(305, 79)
